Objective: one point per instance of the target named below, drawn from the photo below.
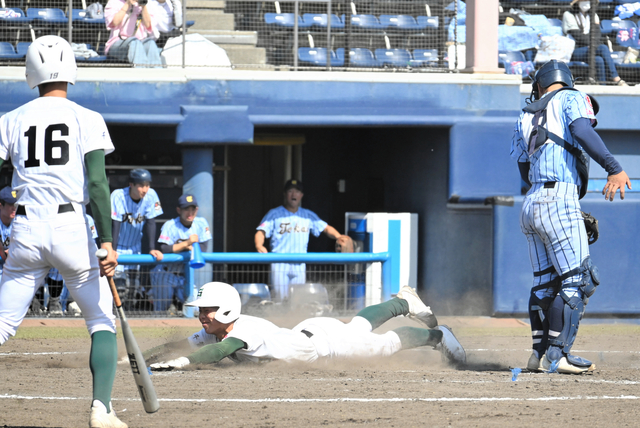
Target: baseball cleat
(564, 366)
(452, 350)
(535, 364)
(417, 309)
(101, 419)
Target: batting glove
(178, 363)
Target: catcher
(243, 338)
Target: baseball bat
(196, 261)
(136, 360)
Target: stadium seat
(358, 57)
(393, 57)
(399, 22)
(320, 20)
(609, 26)
(428, 22)
(316, 56)
(8, 52)
(425, 58)
(22, 48)
(286, 20)
(81, 16)
(49, 15)
(365, 22)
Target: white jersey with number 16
(46, 140)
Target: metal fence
(373, 35)
(335, 283)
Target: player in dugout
(244, 338)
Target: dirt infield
(45, 382)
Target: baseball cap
(7, 195)
(187, 201)
(139, 176)
(293, 184)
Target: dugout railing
(335, 283)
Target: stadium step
(226, 37)
(208, 19)
(245, 55)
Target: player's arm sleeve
(215, 352)
(589, 139)
(115, 231)
(99, 193)
(150, 227)
(166, 248)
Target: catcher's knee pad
(572, 312)
(590, 278)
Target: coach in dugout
(288, 227)
(134, 209)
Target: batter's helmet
(221, 295)
(50, 59)
(139, 176)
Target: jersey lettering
(286, 228)
(62, 155)
(129, 218)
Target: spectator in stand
(576, 23)
(131, 37)
(165, 21)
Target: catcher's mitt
(591, 224)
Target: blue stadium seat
(81, 15)
(393, 57)
(428, 22)
(358, 57)
(316, 56)
(366, 22)
(286, 20)
(8, 52)
(609, 26)
(320, 20)
(400, 22)
(425, 58)
(22, 48)
(49, 15)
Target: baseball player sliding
(57, 149)
(243, 338)
(548, 141)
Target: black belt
(306, 333)
(63, 208)
(550, 184)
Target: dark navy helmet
(139, 176)
(553, 72)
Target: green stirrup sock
(103, 361)
(383, 312)
(412, 337)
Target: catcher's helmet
(139, 176)
(552, 72)
(50, 59)
(221, 295)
